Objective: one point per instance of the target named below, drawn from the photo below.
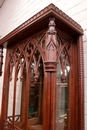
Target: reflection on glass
(62, 90)
(18, 98)
(36, 91)
(10, 97)
(63, 101)
(34, 102)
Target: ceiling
(1, 3)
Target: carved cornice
(50, 10)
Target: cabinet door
(66, 88)
(62, 96)
(35, 108)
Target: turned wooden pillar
(81, 83)
(50, 77)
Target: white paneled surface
(0, 24)
(85, 122)
(15, 12)
(77, 8)
(1, 3)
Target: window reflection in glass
(10, 97)
(63, 100)
(18, 101)
(36, 91)
(34, 101)
(62, 92)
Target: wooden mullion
(5, 92)
(14, 96)
(27, 95)
(53, 100)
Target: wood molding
(81, 83)
(50, 11)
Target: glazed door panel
(62, 93)
(66, 88)
(24, 98)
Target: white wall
(15, 12)
(0, 24)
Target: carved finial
(51, 33)
(52, 25)
(51, 47)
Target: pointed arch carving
(20, 57)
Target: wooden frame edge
(50, 9)
(81, 84)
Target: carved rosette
(51, 47)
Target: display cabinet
(43, 79)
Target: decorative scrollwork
(11, 68)
(22, 53)
(65, 60)
(63, 54)
(9, 126)
(17, 54)
(28, 50)
(64, 47)
(35, 66)
(17, 118)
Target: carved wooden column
(81, 83)
(1, 59)
(5, 94)
(1, 62)
(50, 76)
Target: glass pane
(63, 100)
(62, 92)
(36, 91)
(18, 98)
(10, 96)
(20, 95)
(34, 102)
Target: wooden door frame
(69, 26)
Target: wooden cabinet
(43, 80)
